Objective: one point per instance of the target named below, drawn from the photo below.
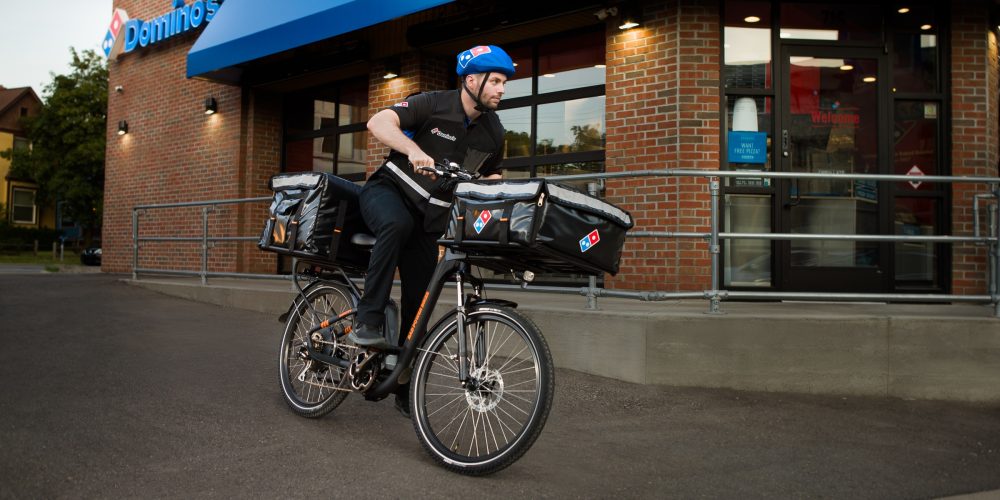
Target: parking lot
(115, 391)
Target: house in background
(18, 197)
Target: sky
(37, 34)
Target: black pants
(400, 241)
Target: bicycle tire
(323, 387)
(461, 428)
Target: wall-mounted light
(119, 89)
(391, 69)
(630, 17)
(211, 106)
(122, 127)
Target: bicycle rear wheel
(311, 388)
(487, 426)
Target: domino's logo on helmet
(484, 59)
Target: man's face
(492, 92)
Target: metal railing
(713, 237)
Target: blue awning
(244, 30)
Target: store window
(834, 21)
(748, 80)
(22, 206)
(325, 130)
(553, 108)
(915, 49)
(747, 45)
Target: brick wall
(172, 153)
(419, 73)
(663, 112)
(974, 132)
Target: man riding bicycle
(407, 207)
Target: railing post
(204, 245)
(135, 244)
(713, 247)
(995, 248)
(592, 280)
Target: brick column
(974, 89)
(663, 112)
(261, 160)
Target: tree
(66, 158)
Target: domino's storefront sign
(125, 35)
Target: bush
(27, 235)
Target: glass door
(831, 122)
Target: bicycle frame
(453, 264)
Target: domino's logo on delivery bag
(481, 221)
(589, 241)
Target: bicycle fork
(463, 348)
(478, 343)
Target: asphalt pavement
(108, 390)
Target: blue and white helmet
(484, 59)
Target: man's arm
(385, 127)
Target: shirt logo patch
(436, 131)
(403, 104)
(472, 53)
(481, 221)
(589, 241)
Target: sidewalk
(922, 351)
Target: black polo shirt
(436, 121)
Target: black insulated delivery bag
(312, 217)
(537, 225)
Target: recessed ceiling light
(868, 79)
(926, 27)
(549, 75)
(903, 10)
(600, 66)
(752, 19)
(846, 67)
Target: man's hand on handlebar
(419, 161)
(448, 171)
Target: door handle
(784, 143)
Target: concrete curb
(948, 352)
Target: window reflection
(571, 62)
(353, 103)
(517, 138)
(571, 126)
(593, 167)
(748, 262)
(916, 261)
(915, 142)
(352, 155)
(325, 130)
(831, 21)
(520, 85)
(747, 44)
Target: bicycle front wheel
(489, 424)
(311, 388)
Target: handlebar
(450, 170)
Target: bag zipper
(541, 199)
